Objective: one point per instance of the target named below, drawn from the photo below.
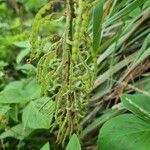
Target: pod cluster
(67, 70)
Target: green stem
(70, 36)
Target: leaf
(126, 10)
(22, 44)
(13, 113)
(138, 104)
(26, 68)
(146, 4)
(16, 85)
(117, 67)
(145, 46)
(12, 95)
(101, 120)
(102, 90)
(45, 146)
(147, 85)
(97, 25)
(4, 109)
(74, 143)
(30, 5)
(18, 132)
(24, 52)
(125, 132)
(34, 118)
(135, 12)
(31, 89)
(20, 92)
(21, 55)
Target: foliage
(62, 74)
(128, 131)
(73, 143)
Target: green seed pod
(92, 4)
(85, 22)
(77, 32)
(35, 28)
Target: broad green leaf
(97, 25)
(99, 121)
(4, 109)
(12, 95)
(19, 132)
(26, 68)
(13, 113)
(16, 85)
(22, 44)
(20, 92)
(31, 89)
(74, 143)
(24, 52)
(35, 117)
(21, 55)
(125, 132)
(138, 104)
(45, 146)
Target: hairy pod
(64, 71)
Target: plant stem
(70, 34)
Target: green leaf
(13, 113)
(23, 44)
(74, 143)
(37, 118)
(4, 109)
(20, 92)
(21, 55)
(138, 104)
(45, 146)
(146, 4)
(30, 5)
(146, 85)
(31, 89)
(19, 132)
(125, 132)
(97, 25)
(135, 12)
(26, 68)
(126, 10)
(24, 52)
(99, 121)
(145, 46)
(12, 95)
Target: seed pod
(69, 75)
(77, 32)
(35, 28)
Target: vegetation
(74, 74)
